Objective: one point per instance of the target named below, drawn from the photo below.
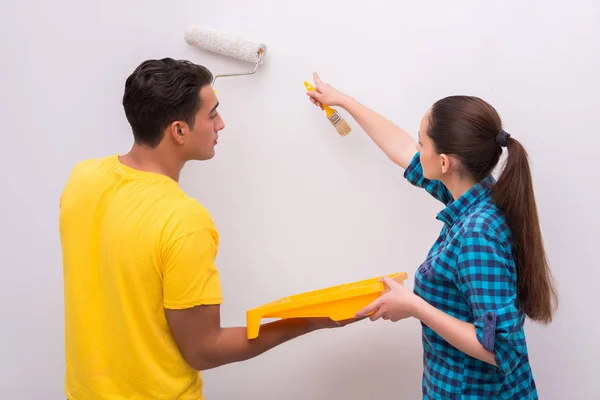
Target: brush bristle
(340, 124)
(343, 128)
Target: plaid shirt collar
(458, 207)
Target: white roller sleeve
(223, 43)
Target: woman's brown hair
(470, 130)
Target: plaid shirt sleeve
(414, 174)
(485, 277)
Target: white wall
(298, 207)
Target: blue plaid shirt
(470, 274)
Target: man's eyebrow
(214, 108)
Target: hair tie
(502, 138)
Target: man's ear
(178, 131)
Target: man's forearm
(232, 345)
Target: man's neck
(153, 160)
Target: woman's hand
(398, 145)
(399, 303)
(325, 94)
(395, 304)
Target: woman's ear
(444, 163)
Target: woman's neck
(458, 185)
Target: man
(142, 291)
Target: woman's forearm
(459, 334)
(397, 144)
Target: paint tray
(337, 302)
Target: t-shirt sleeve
(414, 175)
(486, 278)
(190, 276)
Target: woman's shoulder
(487, 220)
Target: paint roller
(227, 45)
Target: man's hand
(327, 323)
(205, 344)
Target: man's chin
(207, 157)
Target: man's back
(133, 244)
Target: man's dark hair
(160, 92)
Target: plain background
(298, 207)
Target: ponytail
(470, 129)
(513, 195)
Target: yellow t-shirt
(133, 244)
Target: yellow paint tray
(337, 302)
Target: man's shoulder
(190, 213)
(90, 166)
(183, 217)
(86, 172)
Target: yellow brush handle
(328, 110)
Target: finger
(399, 280)
(389, 282)
(313, 94)
(317, 79)
(316, 103)
(377, 314)
(368, 309)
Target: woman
(487, 270)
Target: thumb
(389, 283)
(317, 79)
(369, 309)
